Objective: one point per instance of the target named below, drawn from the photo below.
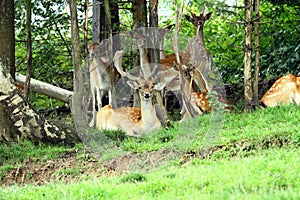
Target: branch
(46, 89)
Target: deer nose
(147, 95)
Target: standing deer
(197, 54)
(161, 35)
(285, 90)
(100, 80)
(133, 121)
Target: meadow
(247, 155)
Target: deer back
(285, 90)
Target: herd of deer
(185, 71)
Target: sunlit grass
(253, 155)
(272, 173)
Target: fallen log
(46, 89)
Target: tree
(257, 52)
(18, 120)
(7, 39)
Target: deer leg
(99, 98)
(92, 122)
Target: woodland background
(224, 38)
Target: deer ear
(208, 16)
(133, 84)
(131, 34)
(188, 18)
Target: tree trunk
(81, 88)
(19, 121)
(153, 16)
(29, 50)
(7, 35)
(248, 93)
(257, 52)
(139, 10)
(96, 24)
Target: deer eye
(140, 87)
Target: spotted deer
(285, 90)
(201, 99)
(168, 77)
(133, 121)
(195, 54)
(100, 81)
(199, 56)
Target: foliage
(224, 37)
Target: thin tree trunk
(7, 35)
(248, 92)
(96, 26)
(80, 95)
(257, 52)
(139, 10)
(109, 29)
(153, 17)
(29, 51)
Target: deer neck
(100, 66)
(145, 64)
(200, 34)
(161, 49)
(148, 113)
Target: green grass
(252, 155)
(270, 174)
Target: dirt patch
(71, 167)
(67, 167)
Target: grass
(253, 155)
(270, 174)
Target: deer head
(285, 90)
(133, 121)
(199, 21)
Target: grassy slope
(257, 158)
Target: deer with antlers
(285, 90)
(133, 121)
(100, 79)
(167, 75)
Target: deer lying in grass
(285, 90)
(100, 80)
(167, 75)
(133, 121)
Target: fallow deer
(167, 74)
(100, 80)
(285, 90)
(161, 35)
(133, 121)
(199, 56)
(201, 99)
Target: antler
(118, 64)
